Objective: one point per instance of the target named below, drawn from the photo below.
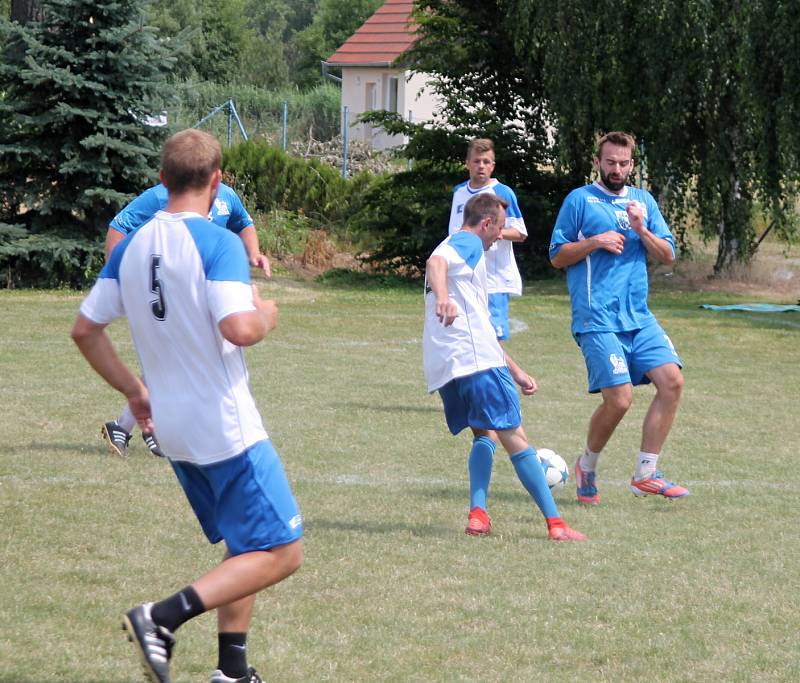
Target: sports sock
(530, 473)
(481, 458)
(127, 421)
(645, 465)
(177, 609)
(232, 654)
(589, 460)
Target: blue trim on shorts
(615, 358)
(245, 500)
(484, 400)
(498, 314)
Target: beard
(613, 185)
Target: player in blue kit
(228, 212)
(603, 236)
(474, 376)
(184, 286)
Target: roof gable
(384, 37)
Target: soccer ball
(555, 469)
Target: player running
(603, 235)
(228, 212)
(184, 286)
(464, 361)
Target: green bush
(44, 260)
(270, 179)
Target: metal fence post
(345, 139)
(284, 119)
(410, 121)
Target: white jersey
(176, 278)
(470, 344)
(502, 274)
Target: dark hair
(483, 205)
(616, 138)
(188, 159)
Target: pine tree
(77, 89)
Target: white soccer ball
(555, 469)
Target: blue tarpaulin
(755, 308)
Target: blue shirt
(608, 292)
(227, 210)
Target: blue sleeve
(566, 228)
(222, 253)
(239, 219)
(468, 246)
(507, 195)
(140, 210)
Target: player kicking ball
(475, 378)
(184, 285)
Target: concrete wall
(365, 88)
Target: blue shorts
(485, 400)
(498, 313)
(245, 500)
(614, 358)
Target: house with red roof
(375, 76)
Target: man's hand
(446, 311)
(612, 241)
(268, 308)
(261, 261)
(635, 213)
(139, 403)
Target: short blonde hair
(480, 146)
(483, 205)
(188, 159)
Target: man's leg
(668, 380)
(531, 475)
(616, 402)
(481, 458)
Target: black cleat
(250, 677)
(153, 642)
(152, 444)
(116, 438)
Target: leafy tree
(709, 87)
(74, 146)
(334, 22)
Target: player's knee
(619, 402)
(292, 557)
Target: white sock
(588, 461)
(127, 421)
(645, 465)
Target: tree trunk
(736, 235)
(23, 11)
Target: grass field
(704, 589)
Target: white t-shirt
(502, 274)
(470, 344)
(175, 278)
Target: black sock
(233, 654)
(177, 609)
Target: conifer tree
(78, 87)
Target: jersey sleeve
(656, 223)
(104, 302)
(227, 275)
(239, 219)
(513, 214)
(456, 211)
(567, 225)
(138, 212)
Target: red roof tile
(382, 38)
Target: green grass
(392, 590)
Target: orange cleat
(478, 523)
(657, 485)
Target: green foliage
(709, 87)
(311, 113)
(73, 146)
(270, 179)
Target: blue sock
(480, 470)
(530, 473)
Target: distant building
(375, 77)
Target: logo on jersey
(622, 220)
(460, 208)
(222, 207)
(619, 367)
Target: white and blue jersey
(502, 274)
(227, 211)
(469, 345)
(175, 278)
(608, 291)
